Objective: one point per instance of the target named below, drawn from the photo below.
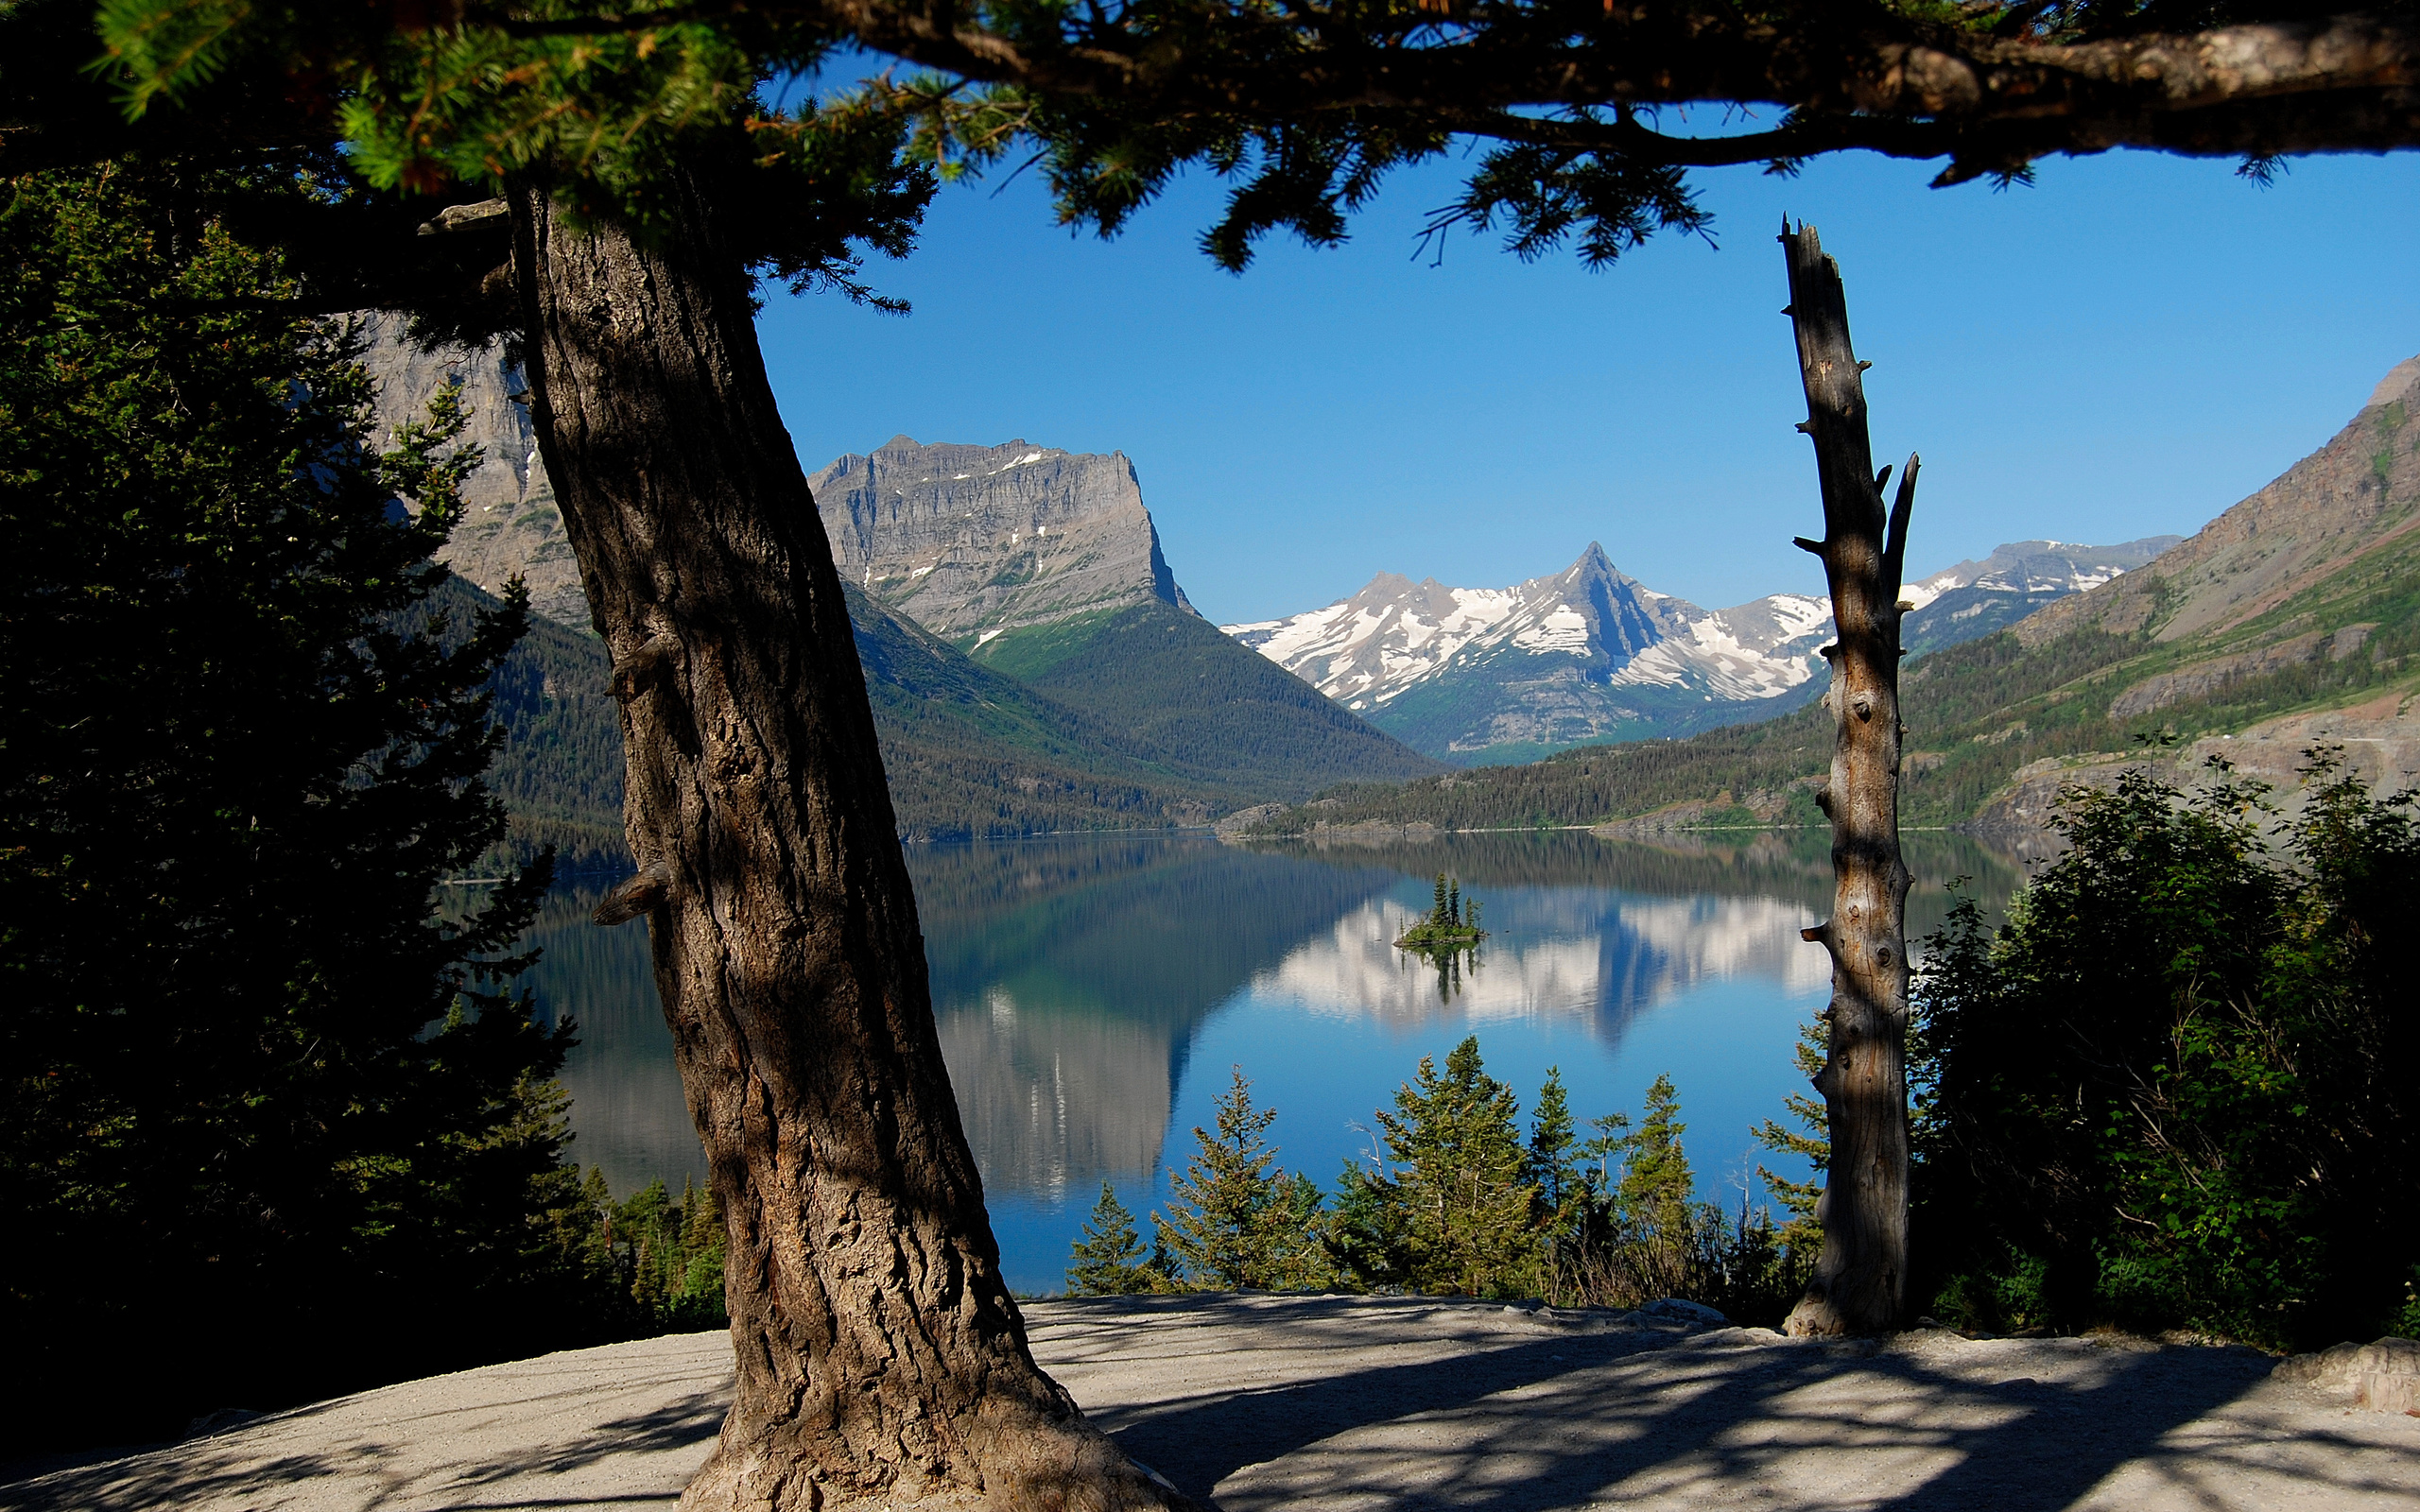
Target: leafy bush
(2180, 1087)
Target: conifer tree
(1461, 1182)
(1657, 1187)
(248, 1061)
(1553, 1163)
(1109, 1258)
(1218, 1227)
(1809, 1140)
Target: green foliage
(1657, 1185)
(249, 1068)
(1231, 1222)
(620, 121)
(1811, 1140)
(1109, 1257)
(1450, 927)
(671, 1255)
(1634, 1231)
(1461, 1182)
(2181, 1087)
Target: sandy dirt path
(1369, 1406)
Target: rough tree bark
(881, 1359)
(1860, 1278)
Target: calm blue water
(1093, 994)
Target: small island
(1452, 925)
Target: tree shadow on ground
(1568, 1421)
(230, 1469)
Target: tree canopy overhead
(1306, 105)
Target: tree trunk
(1861, 1279)
(881, 1359)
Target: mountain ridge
(2289, 623)
(1590, 654)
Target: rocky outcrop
(2383, 1376)
(972, 541)
(2378, 743)
(510, 519)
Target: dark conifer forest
(273, 1125)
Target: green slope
(2304, 597)
(1166, 685)
(969, 751)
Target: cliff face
(510, 523)
(973, 542)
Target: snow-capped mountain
(1974, 599)
(1592, 654)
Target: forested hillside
(2304, 598)
(1180, 727)
(1168, 683)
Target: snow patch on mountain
(1590, 653)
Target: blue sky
(2123, 350)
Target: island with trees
(1450, 926)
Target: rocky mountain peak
(1590, 654)
(972, 541)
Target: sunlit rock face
(1553, 954)
(1592, 654)
(510, 523)
(972, 541)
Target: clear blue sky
(2123, 350)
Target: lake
(1094, 993)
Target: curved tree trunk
(881, 1359)
(1860, 1278)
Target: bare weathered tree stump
(1860, 1278)
(881, 1359)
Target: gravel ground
(1365, 1403)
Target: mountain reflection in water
(1078, 982)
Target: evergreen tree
(1657, 1189)
(1109, 1258)
(1554, 1163)
(1809, 1140)
(1459, 1181)
(1298, 1224)
(1369, 1230)
(704, 1244)
(256, 1062)
(1217, 1225)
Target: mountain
(974, 541)
(2289, 623)
(1974, 599)
(1045, 566)
(1590, 655)
(968, 753)
(1132, 711)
